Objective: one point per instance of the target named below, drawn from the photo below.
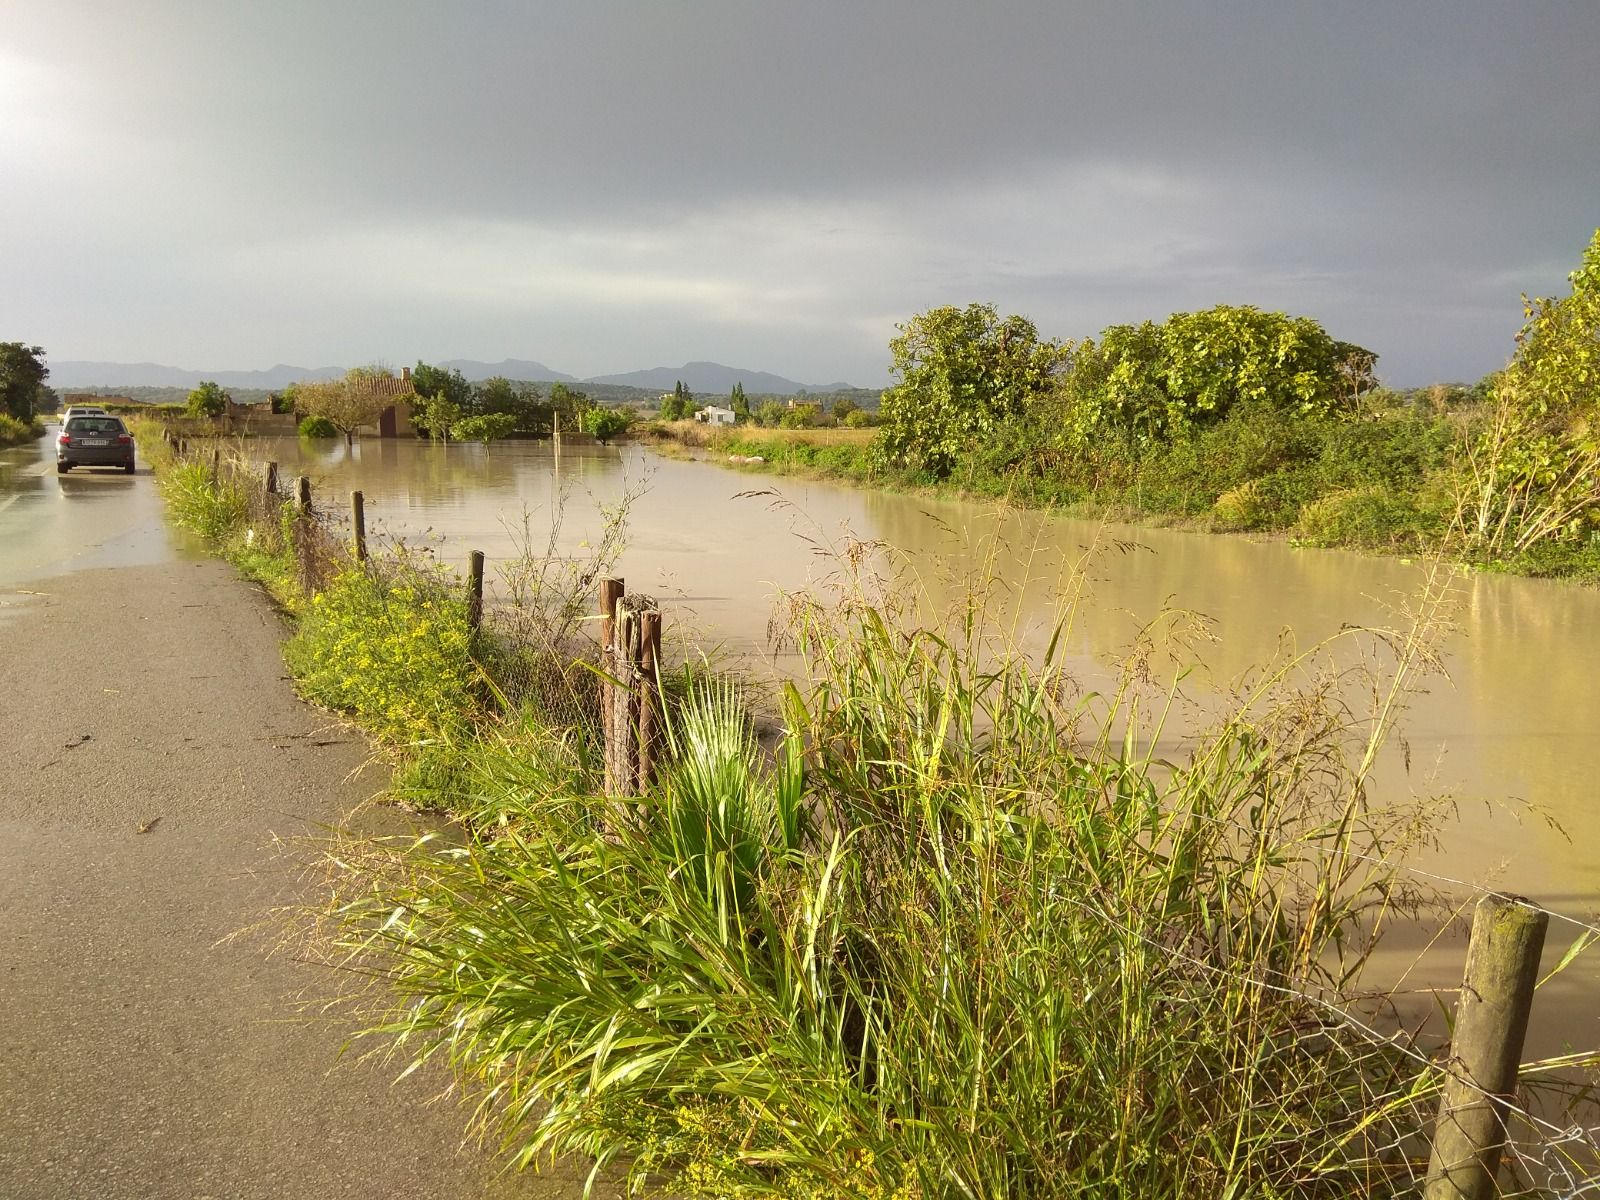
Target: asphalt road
(145, 1050)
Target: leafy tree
(429, 381)
(1154, 382)
(436, 416)
(443, 396)
(963, 373)
(349, 403)
(281, 402)
(860, 418)
(569, 404)
(520, 401)
(1558, 351)
(485, 427)
(605, 423)
(770, 412)
(842, 407)
(22, 374)
(208, 400)
(1534, 469)
(801, 416)
(672, 407)
(739, 403)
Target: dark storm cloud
(606, 185)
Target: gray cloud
(606, 185)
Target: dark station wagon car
(94, 441)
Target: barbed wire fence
(1456, 1112)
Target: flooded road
(92, 517)
(1514, 725)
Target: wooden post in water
(302, 496)
(1491, 1022)
(358, 525)
(272, 478)
(648, 706)
(611, 593)
(475, 590)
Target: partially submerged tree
(485, 427)
(436, 416)
(356, 400)
(604, 423)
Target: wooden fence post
(358, 525)
(216, 464)
(475, 590)
(622, 752)
(611, 592)
(302, 495)
(1491, 1022)
(272, 478)
(649, 718)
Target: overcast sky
(607, 186)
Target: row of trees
(1515, 465)
(964, 374)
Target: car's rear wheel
(128, 468)
(62, 468)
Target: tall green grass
(14, 432)
(964, 934)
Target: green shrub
(216, 510)
(393, 652)
(1372, 517)
(317, 427)
(14, 432)
(1239, 508)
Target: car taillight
(124, 440)
(64, 440)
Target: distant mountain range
(507, 368)
(714, 378)
(704, 377)
(68, 374)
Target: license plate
(96, 442)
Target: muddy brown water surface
(1512, 733)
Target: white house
(715, 416)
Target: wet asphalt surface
(150, 1045)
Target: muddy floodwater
(1512, 733)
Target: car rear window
(89, 425)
